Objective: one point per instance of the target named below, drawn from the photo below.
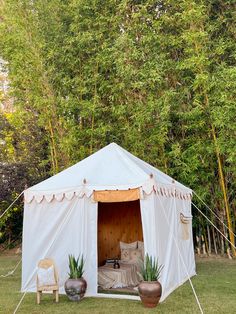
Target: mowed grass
(215, 286)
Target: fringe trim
(148, 187)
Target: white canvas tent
(60, 217)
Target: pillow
(46, 276)
(132, 245)
(141, 247)
(125, 255)
(135, 255)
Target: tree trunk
(209, 240)
(53, 149)
(214, 241)
(203, 245)
(222, 245)
(198, 245)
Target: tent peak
(113, 144)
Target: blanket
(125, 276)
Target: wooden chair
(46, 263)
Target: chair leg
(38, 297)
(57, 296)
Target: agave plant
(76, 267)
(150, 271)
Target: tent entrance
(117, 221)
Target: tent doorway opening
(117, 222)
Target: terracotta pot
(75, 288)
(150, 293)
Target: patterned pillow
(141, 247)
(125, 255)
(46, 276)
(132, 245)
(135, 255)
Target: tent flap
(116, 196)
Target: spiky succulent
(150, 271)
(76, 267)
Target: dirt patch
(9, 252)
(211, 257)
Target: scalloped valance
(90, 192)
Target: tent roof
(110, 168)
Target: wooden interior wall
(117, 222)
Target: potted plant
(76, 285)
(150, 288)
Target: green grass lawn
(215, 285)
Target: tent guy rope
(18, 305)
(11, 204)
(214, 213)
(11, 272)
(213, 225)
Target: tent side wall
(162, 233)
(55, 230)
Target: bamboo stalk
(222, 245)
(52, 160)
(54, 150)
(47, 90)
(94, 108)
(91, 139)
(197, 47)
(228, 253)
(209, 240)
(223, 187)
(219, 241)
(198, 245)
(227, 245)
(203, 245)
(214, 241)
(222, 181)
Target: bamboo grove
(157, 77)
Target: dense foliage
(157, 77)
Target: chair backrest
(46, 263)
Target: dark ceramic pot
(75, 288)
(150, 293)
